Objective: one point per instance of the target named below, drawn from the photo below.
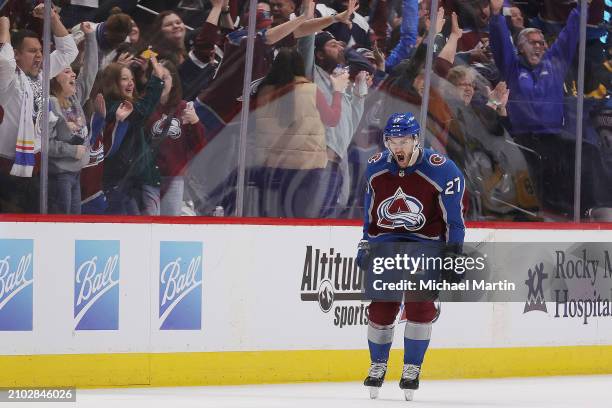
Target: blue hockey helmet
(401, 125)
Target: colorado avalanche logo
(437, 159)
(253, 88)
(375, 158)
(401, 210)
(174, 130)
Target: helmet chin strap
(414, 156)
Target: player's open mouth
(400, 157)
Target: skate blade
(408, 394)
(374, 392)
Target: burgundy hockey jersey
(421, 203)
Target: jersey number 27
(453, 186)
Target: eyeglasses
(533, 43)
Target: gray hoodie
(61, 151)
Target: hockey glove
(363, 254)
(456, 275)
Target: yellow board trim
(230, 368)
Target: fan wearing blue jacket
(535, 77)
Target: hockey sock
(416, 341)
(379, 342)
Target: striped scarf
(28, 144)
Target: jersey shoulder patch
(375, 158)
(436, 159)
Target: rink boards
(107, 304)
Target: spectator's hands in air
(124, 110)
(345, 16)
(87, 27)
(308, 9)
(39, 11)
(456, 31)
(5, 23)
(440, 20)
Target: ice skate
(410, 380)
(375, 378)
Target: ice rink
(541, 392)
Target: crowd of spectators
(146, 99)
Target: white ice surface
(541, 392)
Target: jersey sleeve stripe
(420, 173)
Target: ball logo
(16, 284)
(180, 286)
(96, 285)
(437, 159)
(375, 158)
(401, 211)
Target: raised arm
(66, 49)
(89, 70)
(57, 28)
(226, 20)
(5, 26)
(501, 44)
(215, 12)
(8, 65)
(314, 25)
(564, 47)
(206, 39)
(275, 34)
(450, 48)
(408, 34)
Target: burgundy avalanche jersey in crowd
(221, 102)
(182, 143)
(105, 139)
(422, 202)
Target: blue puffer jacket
(536, 93)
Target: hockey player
(413, 195)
